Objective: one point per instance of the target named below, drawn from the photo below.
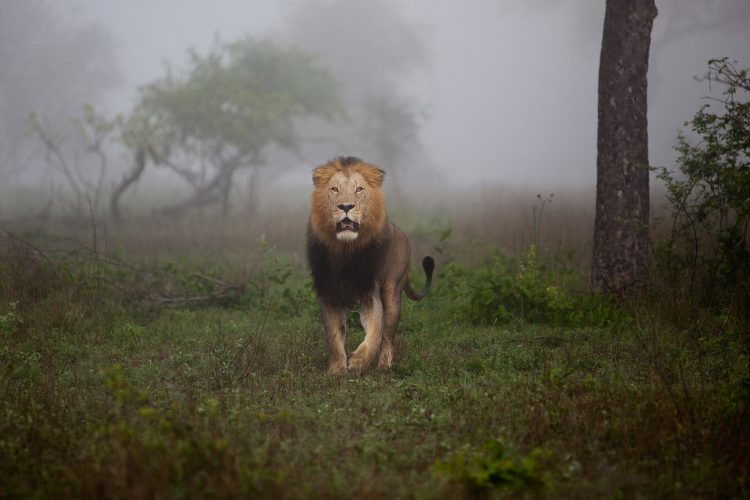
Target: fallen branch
(153, 286)
(144, 287)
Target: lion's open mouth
(347, 225)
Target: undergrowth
(503, 289)
(508, 380)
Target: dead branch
(151, 286)
(226, 292)
(143, 288)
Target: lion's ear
(373, 175)
(322, 175)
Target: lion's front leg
(334, 321)
(371, 317)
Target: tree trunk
(217, 189)
(131, 177)
(225, 189)
(620, 258)
(252, 190)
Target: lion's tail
(428, 264)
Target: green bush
(709, 195)
(504, 288)
(495, 465)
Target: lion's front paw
(359, 361)
(337, 369)
(386, 358)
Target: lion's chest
(349, 279)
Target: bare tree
(620, 258)
(84, 165)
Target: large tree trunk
(216, 189)
(620, 257)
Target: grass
(100, 396)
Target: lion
(358, 257)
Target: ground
(103, 395)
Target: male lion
(357, 257)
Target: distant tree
(620, 254)
(391, 126)
(374, 51)
(218, 116)
(685, 19)
(701, 16)
(83, 168)
(50, 67)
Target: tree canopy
(218, 114)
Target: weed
(494, 465)
(231, 362)
(11, 321)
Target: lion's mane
(344, 272)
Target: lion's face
(347, 204)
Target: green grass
(100, 396)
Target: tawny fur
(357, 258)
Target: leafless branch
(150, 286)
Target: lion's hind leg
(391, 313)
(371, 317)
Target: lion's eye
(334, 189)
(359, 189)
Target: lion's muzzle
(347, 229)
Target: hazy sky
(510, 90)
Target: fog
(502, 92)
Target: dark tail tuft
(428, 264)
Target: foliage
(709, 193)
(240, 97)
(101, 398)
(220, 114)
(277, 287)
(166, 450)
(495, 465)
(504, 288)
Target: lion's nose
(345, 208)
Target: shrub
(504, 288)
(709, 195)
(495, 465)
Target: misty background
(495, 94)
